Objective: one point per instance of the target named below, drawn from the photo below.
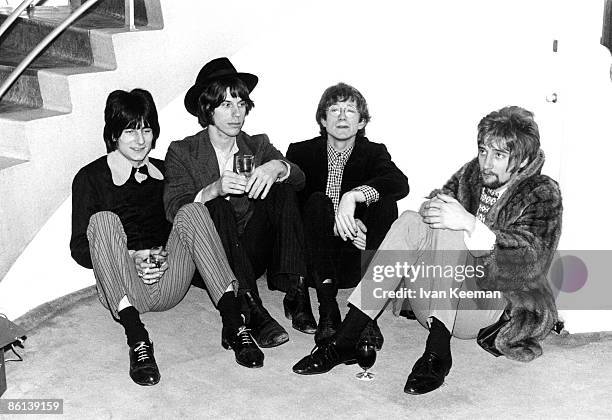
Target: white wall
(430, 71)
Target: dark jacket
(527, 223)
(191, 164)
(138, 205)
(369, 164)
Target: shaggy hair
(342, 92)
(128, 110)
(513, 129)
(214, 94)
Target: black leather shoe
(428, 373)
(329, 320)
(143, 369)
(298, 310)
(372, 334)
(324, 358)
(246, 351)
(265, 330)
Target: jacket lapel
(244, 147)
(319, 159)
(209, 168)
(355, 164)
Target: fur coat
(526, 221)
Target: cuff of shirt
(481, 241)
(371, 195)
(281, 179)
(198, 197)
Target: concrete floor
(79, 354)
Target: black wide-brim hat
(219, 68)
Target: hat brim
(194, 92)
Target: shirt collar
(224, 160)
(234, 149)
(121, 168)
(336, 156)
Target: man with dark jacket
(256, 216)
(494, 227)
(141, 262)
(349, 201)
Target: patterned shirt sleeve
(370, 193)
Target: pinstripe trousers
(193, 243)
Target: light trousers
(410, 241)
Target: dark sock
(135, 330)
(326, 294)
(229, 308)
(439, 337)
(351, 328)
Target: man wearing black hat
(256, 216)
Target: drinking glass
(366, 356)
(245, 164)
(158, 256)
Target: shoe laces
(244, 334)
(142, 351)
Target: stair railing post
(129, 15)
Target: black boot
(329, 313)
(324, 358)
(298, 310)
(266, 331)
(432, 367)
(340, 348)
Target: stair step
(71, 49)
(25, 34)
(24, 92)
(116, 9)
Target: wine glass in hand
(158, 256)
(245, 164)
(366, 356)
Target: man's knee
(410, 218)
(281, 192)
(318, 205)
(190, 212)
(103, 223)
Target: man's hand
(444, 212)
(345, 224)
(263, 177)
(230, 183)
(360, 239)
(147, 272)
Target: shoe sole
(248, 366)
(274, 344)
(348, 363)
(408, 391)
(146, 383)
(309, 331)
(289, 316)
(227, 346)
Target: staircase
(46, 128)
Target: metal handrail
(13, 16)
(43, 44)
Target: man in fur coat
(493, 229)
